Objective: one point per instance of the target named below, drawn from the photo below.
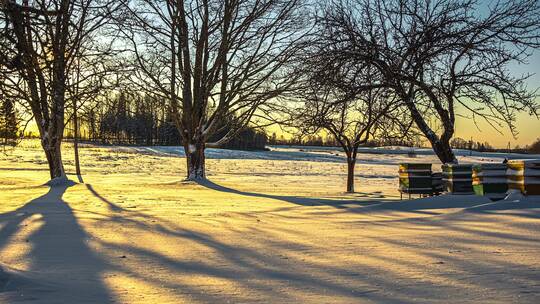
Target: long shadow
(298, 200)
(242, 264)
(465, 204)
(111, 206)
(263, 271)
(469, 203)
(532, 207)
(62, 268)
(437, 202)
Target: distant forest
(135, 119)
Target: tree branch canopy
(440, 55)
(213, 59)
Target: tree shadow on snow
(464, 204)
(373, 203)
(62, 267)
(528, 209)
(258, 272)
(272, 260)
(59, 250)
(299, 200)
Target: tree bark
(53, 153)
(350, 174)
(76, 124)
(444, 151)
(195, 160)
(76, 140)
(441, 145)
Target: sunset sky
(527, 126)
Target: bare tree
(93, 76)
(212, 60)
(349, 103)
(43, 43)
(442, 55)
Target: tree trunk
(195, 161)
(76, 140)
(76, 148)
(76, 124)
(53, 153)
(350, 174)
(441, 145)
(444, 151)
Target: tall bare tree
(42, 43)
(212, 59)
(441, 55)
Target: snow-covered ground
(384, 155)
(268, 227)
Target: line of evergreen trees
(460, 143)
(128, 119)
(330, 141)
(136, 119)
(9, 124)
